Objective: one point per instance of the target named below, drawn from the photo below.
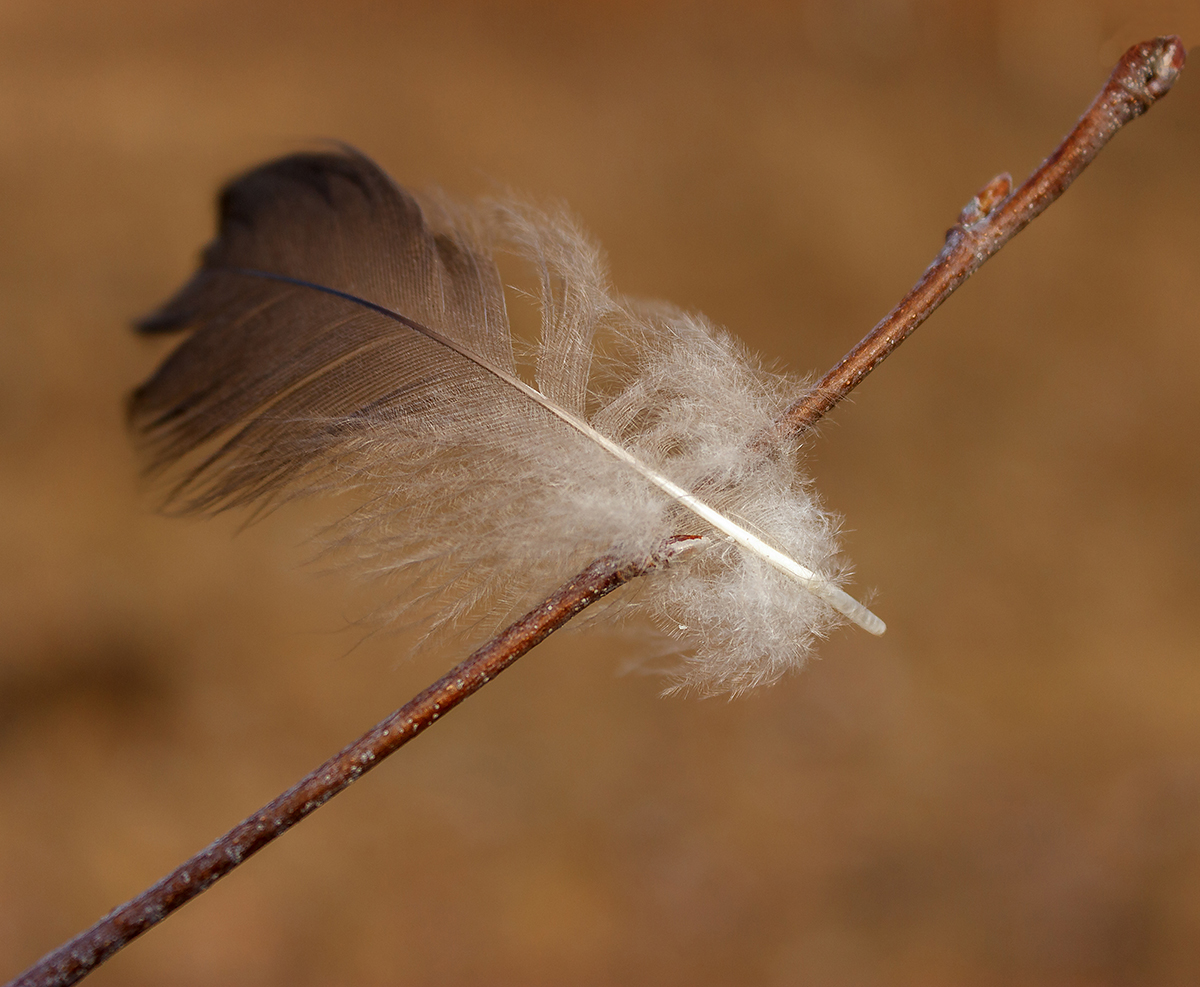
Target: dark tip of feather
(132, 411)
(241, 201)
(178, 312)
(160, 321)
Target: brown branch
(1144, 75)
(81, 955)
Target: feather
(348, 335)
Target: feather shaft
(837, 598)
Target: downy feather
(348, 335)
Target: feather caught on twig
(348, 335)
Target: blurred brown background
(1004, 789)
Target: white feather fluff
(347, 336)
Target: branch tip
(1147, 71)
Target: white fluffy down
(481, 519)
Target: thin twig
(78, 957)
(1144, 74)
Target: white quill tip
(847, 606)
